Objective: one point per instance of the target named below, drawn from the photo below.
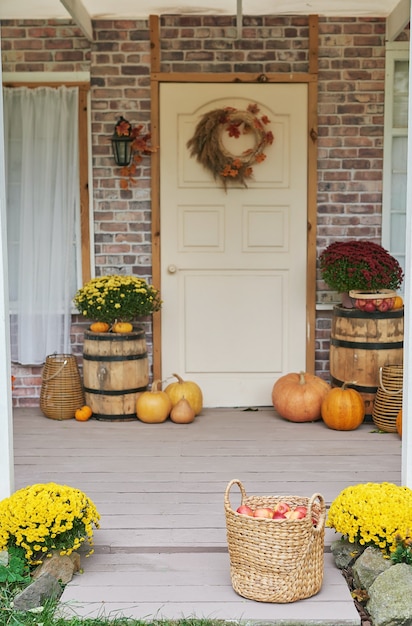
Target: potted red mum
(363, 269)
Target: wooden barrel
(115, 371)
(361, 343)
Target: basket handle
(56, 373)
(239, 483)
(389, 393)
(322, 516)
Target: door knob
(172, 269)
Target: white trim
(407, 359)
(6, 418)
(46, 77)
(80, 15)
(397, 20)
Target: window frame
(395, 51)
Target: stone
(4, 557)
(345, 552)
(390, 597)
(368, 567)
(37, 593)
(60, 567)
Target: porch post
(407, 365)
(6, 423)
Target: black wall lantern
(122, 141)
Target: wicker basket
(388, 401)
(62, 390)
(276, 561)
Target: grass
(15, 576)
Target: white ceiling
(106, 9)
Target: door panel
(233, 262)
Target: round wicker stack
(62, 390)
(271, 560)
(388, 401)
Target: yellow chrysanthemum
(44, 517)
(377, 514)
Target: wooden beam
(398, 19)
(80, 15)
(154, 26)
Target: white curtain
(42, 196)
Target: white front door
(233, 263)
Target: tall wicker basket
(388, 401)
(276, 561)
(61, 390)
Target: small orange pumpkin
(343, 408)
(122, 327)
(83, 414)
(399, 423)
(99, 327)
(298, 397)
(397, 302)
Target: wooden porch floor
(161, 550)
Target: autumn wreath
(208, 147)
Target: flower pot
(361, 343)
(115, 371)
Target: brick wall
(351, 97)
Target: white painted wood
(397, 19)
(234, 261)
(407, 365)
(6, 428)
(80, 15)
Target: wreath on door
(208, 147)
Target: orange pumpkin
(83, 414)
(185, 389)
(122, 327)
(154, 406)
(399, 423)
(343, 408)
(99, 327)
(298, 397)
(397, 302)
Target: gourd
(298, 397)
(83, 414)
(398, 423)
(182, 412)
(154, 406)
(99, 327)
(185, 389)
(343, 408)
(122, 327)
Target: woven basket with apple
(276, 545)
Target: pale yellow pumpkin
(122, 327)
(154, 406)
(185, 389)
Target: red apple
(302, 510)
(282, 507)
(263, 512)
(383, 306)
(360, 304)
(245, 510)
(369, 307)
(280, 515)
